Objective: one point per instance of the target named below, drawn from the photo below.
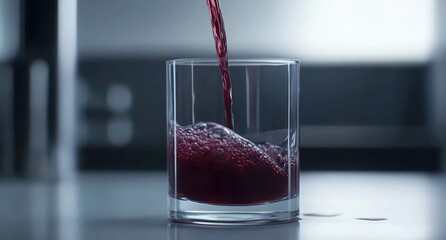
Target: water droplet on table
(321, 215)
(372, 219)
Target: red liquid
(217, 166)
(219, 33)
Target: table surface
(133, 206)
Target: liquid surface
(217, 166)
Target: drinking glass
(245, 175)
(178, 231)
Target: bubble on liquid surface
(211, 125)
(188, 130)
(219, 132)
(292, 142)
(195, 146)
(200, 126)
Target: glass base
(200, 213)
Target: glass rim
(234, 62)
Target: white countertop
(133, 206)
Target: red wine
(217, 166)
(219, 33)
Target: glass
(249, 175)
(179, 231)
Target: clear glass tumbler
(245, 175)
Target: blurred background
(82, 83)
